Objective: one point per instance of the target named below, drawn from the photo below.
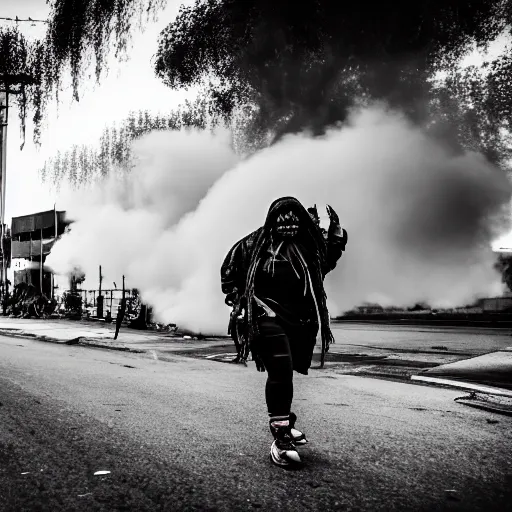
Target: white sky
(129, 86)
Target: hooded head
(288, 219)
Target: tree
(479, 100)
(304, 64)
(278, 67)
(82, 164)
(24, 66)
(504, 266)
(80, 30)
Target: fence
(111, 300)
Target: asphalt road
(191, 434)
(398, 351)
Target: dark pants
(282, 351)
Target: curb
(80, 340)
(488, 324)
(488, 390)
(478, 403)
(30, 336)
(86, 343)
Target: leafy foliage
(504, 266)
(82, 29)
(304, 64)
(479, 100)
(82, 164)
(24, 70)
(278, 67)
(78, 31)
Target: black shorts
(297, 341)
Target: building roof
(36, 221)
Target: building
(32, 238)
(5, 257)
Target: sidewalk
(493, 370)
(99, 334)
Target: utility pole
(9, 84)
(52, 277)
(41, 264)
(4, 116)
(121, 312)
(99, 305)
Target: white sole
(281, 461)
(297, 435)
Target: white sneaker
(284, 454)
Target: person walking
(273, 280)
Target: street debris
(26, 302)
(74, 341)
(86, 494)
(101, 473)
(26, 473)
(223, 356)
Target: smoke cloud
(420, 219)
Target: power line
(17, 20)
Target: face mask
(287, 225)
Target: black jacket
(240, 265)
